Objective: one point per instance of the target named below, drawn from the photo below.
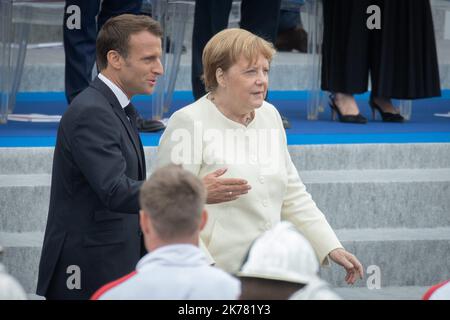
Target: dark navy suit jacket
(93, 221)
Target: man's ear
(144, 222)
(220, 77)
(203, 219)
(114, 59)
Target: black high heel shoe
(385, 116)
(358, 118)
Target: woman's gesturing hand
(351, 264)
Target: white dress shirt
(120, 95)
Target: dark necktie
(131, 113)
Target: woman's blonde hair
(225, 49)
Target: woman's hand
(223, 189)
(351, 264)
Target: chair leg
(173, 19)
(405, 107)
(5, 57)
(22, 34)
(314, 26)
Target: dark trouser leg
(211, 17)
(404, 63)
(79, 47)
(288, 20)
(261, 17)
(112, 8)
(345, 56)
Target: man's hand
(349, 262)
(223, 189)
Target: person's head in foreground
(172, 207)
(171, 218)
(236, 72)
(128, 52)
(280, 265)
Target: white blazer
(203, 140)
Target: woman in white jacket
(235, 142)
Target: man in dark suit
(92, 234)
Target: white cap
(281, 253)
(10, 289)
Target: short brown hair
(174, 199)
(225, 49)
(115, 35)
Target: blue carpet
(423, 126)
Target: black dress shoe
(149, 125)
(385, 116)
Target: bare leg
(346, 103)
(385, 104)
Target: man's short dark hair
(115, 35)
(174, 199)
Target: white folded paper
(446, 115)
(34, 117)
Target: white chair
(312, 17)
(16, 17)
(174, 17)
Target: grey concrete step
(305, 157)
(26, 160)
(371, 156)
(408, 198)
(405, 257)
(288, 71)
(401, 257)
(21, 256)
(24, 201)
(45, 20)
(385, 293)
(349, 198)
